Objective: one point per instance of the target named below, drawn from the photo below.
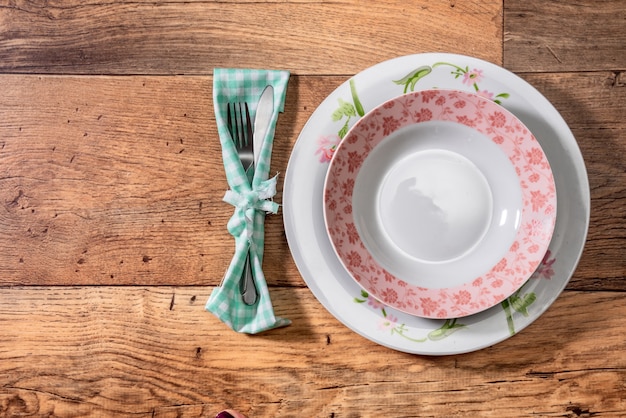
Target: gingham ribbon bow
(246, 202)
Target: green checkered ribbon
(251, 202)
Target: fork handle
(246, 284)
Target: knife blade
(262, 120)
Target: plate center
(435, 205)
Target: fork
(241, 133)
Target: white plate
(440, 203)
(331, 283)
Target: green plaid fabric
(251, 202)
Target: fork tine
(228, 120)
(243, 125)
(236, 122)
(249, 127)
(241, 131)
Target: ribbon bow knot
(246, 202)
(250, 198)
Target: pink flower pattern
(387, 322)
(486, 94)
(326, 147)
(389, 296)
(428, 95)
(545, 269)
(538, 200)
(463, 297)
(428, 305)
(459, 104)
(474, 76)
(497, 119)
(352, 233)
(423, 115)
(375, 304)
(355, 159)
(390, 124)
(526, 254)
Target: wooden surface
(113, 232)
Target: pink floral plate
(440, 203)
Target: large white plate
(331, 283)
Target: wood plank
(562, 36)
(172, 37)
(114, 173)
(603, 263)
(592, 105)
(121, 181)
(154, 351)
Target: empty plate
(440, 203)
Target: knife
(262, 120)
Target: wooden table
(113, 231)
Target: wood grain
(113, 231)
(121, 182)
(172, 37)
(79, 351)
(592, 105)
(563, 36)
(116, 160)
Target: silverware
(240, 127)
(262, 120)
